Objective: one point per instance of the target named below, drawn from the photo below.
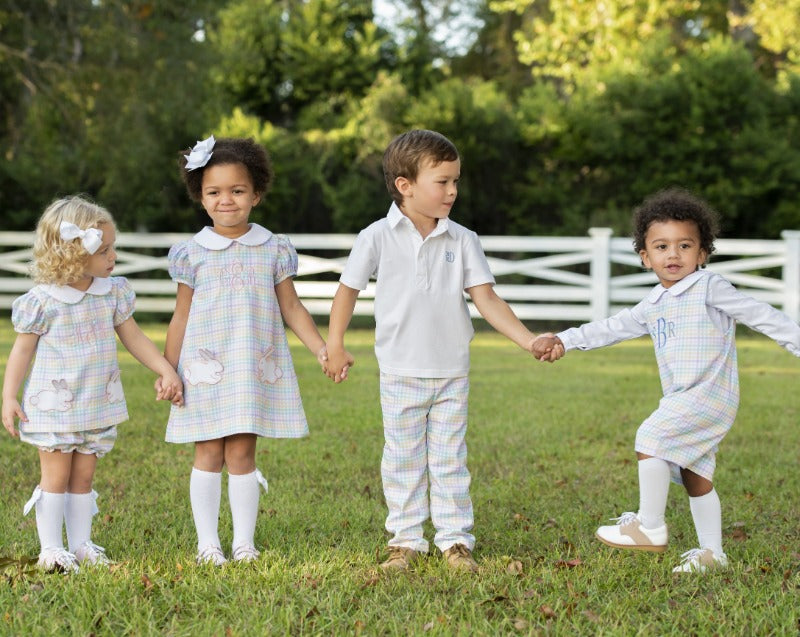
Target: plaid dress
(74, 384)
(692, 325)
(235, 361)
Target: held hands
(336, 363)
(12, 410)
(547, 348)
(169, 387)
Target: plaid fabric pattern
(699, 377)
(74, 380)
(235, 360)
(96, 441)
(424, 424)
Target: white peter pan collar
(256, 236)
(679, 288)
(68, 294)
(396, 216)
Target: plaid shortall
(425, 424)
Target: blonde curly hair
(55, 260)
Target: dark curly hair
(676, 204)
(231, 150)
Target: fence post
(791, 274)
(600, 272)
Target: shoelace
(63, 559)
(94, 554)
(460, 550)
(692, 555)
(625, 518)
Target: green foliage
(551, 458)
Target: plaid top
(74, 384)
(235, 360)
(692, 325)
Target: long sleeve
(627, 324)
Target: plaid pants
(424, 425)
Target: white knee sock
(205, 491)
(78, 512)
(50, 520)
(243, 495)
(707, 516)
(654, 478)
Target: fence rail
(543, 278)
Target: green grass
(550, 451)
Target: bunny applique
(114, 393)
(206, 369)
(57, 399)
(268, 370)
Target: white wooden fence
(557, 279)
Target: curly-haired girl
(73, 399)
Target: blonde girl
(73, 398)
(228, 341)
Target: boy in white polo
(423, 262)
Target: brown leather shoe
(459, 557)
(400, 559)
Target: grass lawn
(551, 456)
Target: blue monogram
(449, 256)
(662, 331)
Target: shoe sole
(650, 548)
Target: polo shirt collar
(679, 288)
(68, 294)
(396, 216)
(256, 236)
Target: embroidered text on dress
(662, 331)
(237, 276)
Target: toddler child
(691, 317)
(423, 262)
(228, 341)
(73, 399)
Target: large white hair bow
(91, 238)
(200, 154)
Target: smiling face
(228, 197)
(431, 195)
(672, 250)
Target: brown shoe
(459, 557)
(400, 558)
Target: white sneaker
(57, 560)
(91, 554)
(628, 533)
(245, 553)
(211, 555)
(701, 560)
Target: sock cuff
(209, 475)
(697, 498)
(242, 477)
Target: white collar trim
(396, 215)
(679, 288)
(256, 236)
(71, 295)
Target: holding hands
(169, 387)
(547, 347)
(337, 364)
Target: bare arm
(177, 325)
(298, 319)
(500, 316)
(344, 302)
(146, 352)
(18, 362)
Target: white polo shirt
(422, 324)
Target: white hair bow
(200, 154)
(91, 238)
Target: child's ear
(403, 185)
(256, 198)
(645, 260)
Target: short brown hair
(407, 153)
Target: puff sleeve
(125, 300)
(180, 266)
(27, 315)
(286, 260)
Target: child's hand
(338, 364)
(169, 387)
(547, 347)
(12, 410)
